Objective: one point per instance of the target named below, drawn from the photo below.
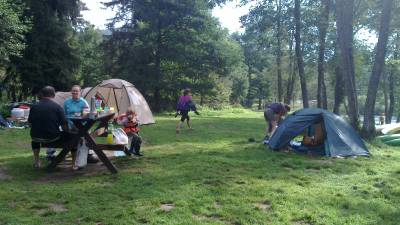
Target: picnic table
(84, 126)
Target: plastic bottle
(110, 134)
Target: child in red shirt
(131, 127)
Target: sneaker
(92, 159)
(137, 154)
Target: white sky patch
(97, 14)
(229, 15)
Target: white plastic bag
(82, 154)
(120, 137)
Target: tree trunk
(344, 21)
(259, 103)
(157, 81)
(385, 93)
(392, 80)
(323, 27)
(339, 90)
(292, 74)
(368, 129)
(279, 51)
(299, 54)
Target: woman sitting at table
(76, 106)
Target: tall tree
(13, 26)
(322, 100)
(344, 23)
(368, 129)
(392, 80)
(49, 58)
(164, 46)
(279, 49)
(299, 54)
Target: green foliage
(166, 46)
(13, 26)
(91, 56)
(49, 58)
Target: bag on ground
(81, 154)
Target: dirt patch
(3, 175)
(217, 205)
(167, 207)
(263, 205)
(64, 172)
(302, 222)
(211, 218)
(311, 170)
(57, 207)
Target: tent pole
(116, 102)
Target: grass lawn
(212, 175)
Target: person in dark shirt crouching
(46, 118)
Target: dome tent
(121, 95)
(341, 139)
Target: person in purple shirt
(185, 105)
(273, 114)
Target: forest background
(302, 52)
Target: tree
(49, 57)
(368, 129)
(299, 55)
(91, 55)
(13, 26)
(344, 23)
(323, 26)
(164, 46)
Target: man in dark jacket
(48, 123)
(273, 115)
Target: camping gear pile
(391, 134)
(326, 133)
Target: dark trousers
(135, 143)
(66, 140)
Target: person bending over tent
(185, 105)
(273, 115)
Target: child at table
(131, 127)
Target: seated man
(46, 118)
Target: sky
(228, 15)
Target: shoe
(137, 154)
(91, 159)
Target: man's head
(47, 92)
(287, 108)
(186, 91)
(76, 92)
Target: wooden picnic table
(84, 125)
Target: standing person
(185, 104)
(76, 106)
(273, 115)
(45, 119)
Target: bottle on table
(110, 133)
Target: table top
(97, 117)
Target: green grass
(212, 175)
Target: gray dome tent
(121, 95)
(341, 139)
